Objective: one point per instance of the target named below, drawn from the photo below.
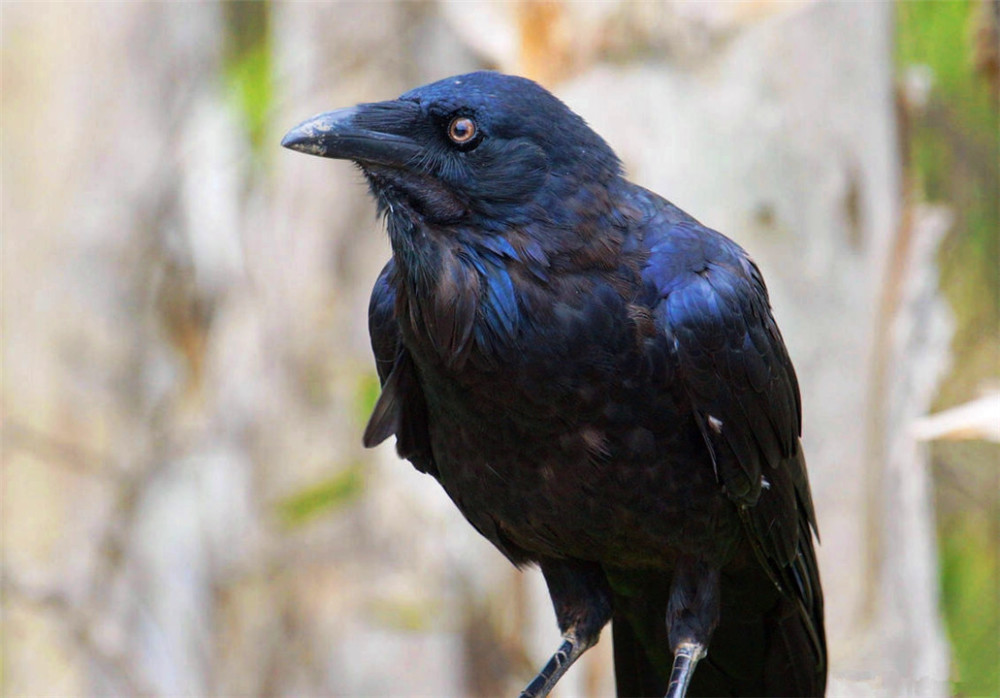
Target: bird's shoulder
(710, 300)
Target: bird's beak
(367, 133)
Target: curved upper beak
(366, 133)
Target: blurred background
(187, 509)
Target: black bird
(596, 380)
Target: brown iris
(462, 129)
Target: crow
(596, 380)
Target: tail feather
(635, 673)
(791, 668)
(768, 643)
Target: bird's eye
(462, 130)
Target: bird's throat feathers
(455, 293)
(460, 287)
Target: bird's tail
(767, 643)
(638, 672)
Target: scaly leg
(692, 614)
(582, 602)
(563, 659)
(686, 657)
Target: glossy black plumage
(595, 379)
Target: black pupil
(462, 129)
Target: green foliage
(954, 149)
(969, 579)
(249, 69)
(342, 488)
(322, 497)
(940, 35)
(366, 395)
(402, 614)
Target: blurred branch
(890, 292)
(83, 619)
(82, 626)
(58, 452)
(978, 419)
(288, 646)
(917, 332)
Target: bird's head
(481, 148)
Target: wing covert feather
(729, 356)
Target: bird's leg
(582, 601)
(569, 651)
(686, 657)
(692, 614)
